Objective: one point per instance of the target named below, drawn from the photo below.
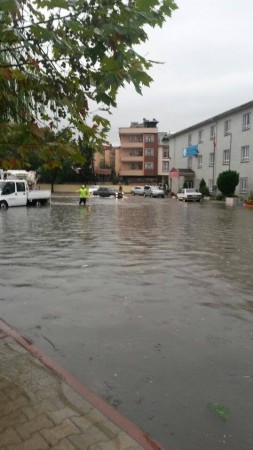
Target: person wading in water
(84, 194)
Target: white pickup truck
(189, 195)
(17, 193)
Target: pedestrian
(84, 194)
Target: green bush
(249, 200)
(219, 197)
(227, 182)
(203, 189)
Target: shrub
(249, 200)
(219, 197)
(203, 189)
(227, 182)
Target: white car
(189, 195)
(153, 191)
(137, 190)
(92, 189)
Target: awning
(99, 171)
(176, 173)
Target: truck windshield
(2, 183)
(8, 188)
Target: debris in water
(220, 410)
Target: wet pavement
(45, 407)
(146, 301)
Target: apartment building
(223, 142)
(138, 158)
(104, 161)
(163, 157)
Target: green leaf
(59, 4)
(146, 5)
(220, 410)
(110, 64)
(42, 33)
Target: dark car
(107, 192)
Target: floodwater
(147, 301)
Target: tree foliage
(57, 56)
(227, 182)
(203, 189)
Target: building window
(166, 153)
(149, 138)
(211, 159)
(212, 132)
(246, 121)
(189, 162)
(227, 127)
(245, 153)
(226, 157)
(189, 139)
(201, 132)
(136, 152)
(133, 139)
(135, 166)
(165, 166)
(149, 166)
(199, 161)
(243, 185)
(149, 152)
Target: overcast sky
(207, 52)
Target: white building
(163, 156)
(223, 142)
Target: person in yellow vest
(84, 194)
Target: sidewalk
(45, 407)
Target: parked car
(189, 195)
(93, 189)
(107, 192)
(153, 191)
(137, 190)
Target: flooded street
(148, 302)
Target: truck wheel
(38, 204)
(3, 205)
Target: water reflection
(148, 289)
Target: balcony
(128, 158)
(129, 145)
(133, 173)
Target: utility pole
(230, 147)
(214, 148)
